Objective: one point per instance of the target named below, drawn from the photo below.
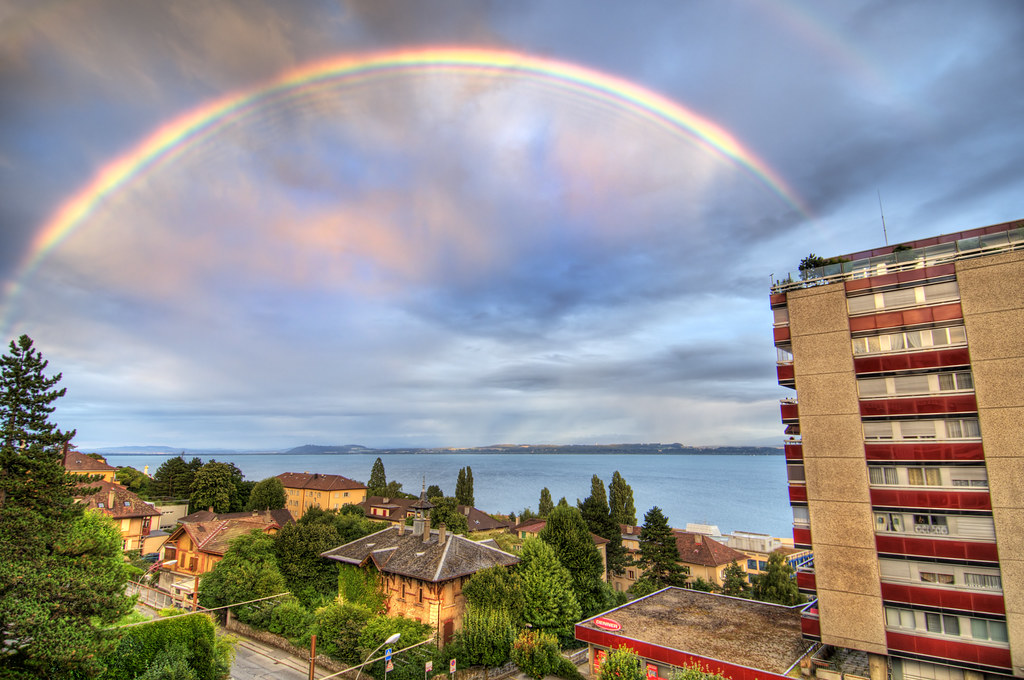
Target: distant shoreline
(731, 451)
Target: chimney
(110, 499)
(385, 499)
(465, 511)
(426, 530)
(440, 533)
(401, 528)
(698, 539)
(209, 508)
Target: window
(983, 629)
(986, 581)
(99, 505)
(127, 504)
(917, 429)
(933, 577)
(966, 428)
(883, 475)
(891, 522)
(762, 565)
(949, 382)
(878, 429)
(780, 316)
(801, 515)
(795, 473)
(922, 476)
(630, 574)
(941, 292)
(942, 623)
(899, 618)
(930, 524)
(752, 564)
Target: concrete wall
(992, 299)
(842, 524)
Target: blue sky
(442, 260)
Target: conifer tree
(378, 484)
(546, 505)
(62, 572)
(734, 581)
(464, 487)
(550, 604)
(620, 501)
(777, 584)
(659, 554)
(574, 547)
(599, 521)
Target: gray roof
(408, 555)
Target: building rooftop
(216, 536)
(116, 501)
(81, 463)
(279, 517)
(703, 550)
(318, 481)
(396, 550)
(728, 629)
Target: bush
(290, 619)
(566, 669)
(338, 627)
(536, 653)
(622, 664)
(486, 636)
(361, 586)
(170, 611)
(696, 672)
(159, 644)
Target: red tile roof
(279, 517)
(215, 537)
(116, 501)
(317, 481)
(79, 462)
(700, 549)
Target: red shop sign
(607, 624)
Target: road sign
(430, 666)
(387, 654)
(451, 666)
(390, 667)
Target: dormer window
(127, 504)
(100, 505)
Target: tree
(248, 571)
(546, 505)
(267, 495)
(378, 484)
(134, 480)
(496, 588)
(464, 487)
(178, 647)
(446, 510)
(62, 572)
(308, 576)
(173, 479)
(622, 664)
(338, 626)
(778, 583)
(215, 486)
(535, 653)
(598, 517)
(486, 636)
(550, 604)
(434, 491)
(620, 501)
(659, 554)
(703, 585)
(574, 547)
(734, 581)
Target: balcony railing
(916, 258)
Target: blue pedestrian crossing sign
(387, 654)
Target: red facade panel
(908, 276)
(778, 299)
(781, 334)
(954, 403)
(908, 317)
(801, 535)
(994, 657)
(903, 362)
(810, 626)
(936, 451)
(912, 498)
(785, 372)
(934, 547)
(805, 579)
(798, 493)
(794, 451)
(939, 597)
(790, 412)
(672, 657)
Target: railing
(916, 258)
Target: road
(257, 661)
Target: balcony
(790, 411)
(931, 451)
(915, 316)
(901, 278)
(945, 598)
(919, 405)
(786, 374)
(945, 649)
(810, 626)
(956, 498)
(958, 549)
(802, 537)
(793, 448)
(907, 361)
(805, 579)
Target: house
(78, 463)
(423, 569)
(280, 517)
(196, 546)
(329, 492)
(704, 556)
(395, 510)
(133, 515)
(533, 527)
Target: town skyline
(450, 224)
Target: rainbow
(192, 128)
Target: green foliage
(290, 619)
(361, 586)
(170, 611)
(812, 262)
(496, 588)
(644, 586)
(338, 626)
(160, 644)
(597, 515)
(434, 491)
(546, 505)
(622, 664)
(173, 479)
(267, 495)
(380, 628)
(308, 576)
(620, 501)
(536, 653)
(734, 581)
(446, 510)
(247, 572)
(695, 672)
(133, 479)
(486, 636)
(549, 601)
(464, 487)
(778, 583)
(566, 669)
(62, 572)
(170, 664)
(216, 485)
(703, 585)
(378, 484)
(659, 554)
(574, 547)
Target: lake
(747, 493)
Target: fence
(157, 598)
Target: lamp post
(390, 640)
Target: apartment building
(905, 452)
(328, 492)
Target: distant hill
(316, 448)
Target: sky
(251, 224)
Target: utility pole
(312, 655)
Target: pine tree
(567, 533)
(659, 554)
(599, 521)
(777, 584)
(464, 487)
(550, 604)
(62, 572)
(734, 581)
(378, 484)
(620, 501)
(546, 505)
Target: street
(256, 661)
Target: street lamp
(390, 640)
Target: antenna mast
(884, 234)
